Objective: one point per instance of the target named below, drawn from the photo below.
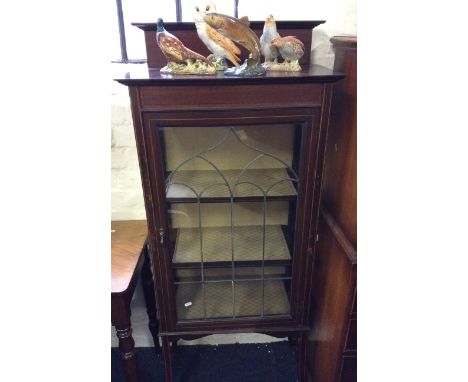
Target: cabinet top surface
(144, 76)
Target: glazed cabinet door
(232, 227)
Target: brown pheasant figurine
(181, 60)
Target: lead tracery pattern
(231, 243)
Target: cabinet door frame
(299, 303)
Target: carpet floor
(271, 362)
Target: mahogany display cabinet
(231, 170)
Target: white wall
(127, 195)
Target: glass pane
(190, 301)
(115, 43)
(232, 197)
(277, 297)
(247, 161)
(243, 273)
(147, 11)
(219, 299)
(261, 298)
(248, 298)
(204, 300)
(188, 275)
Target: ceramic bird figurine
(269, 51)
(180, 58)
(221, 47)
(291, 49)
(238, 31)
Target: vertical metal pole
(236, 8)
(123, 42)
(178, 11)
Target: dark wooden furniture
(129, 254)
(231, 171)
(332, 350)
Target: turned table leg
(122, 323)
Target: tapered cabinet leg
(127, 351)
(148, 290)
(301, 357)
(166, 348)
(292, 340)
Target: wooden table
(129, 258)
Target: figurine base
(246, 71)
(197, 67)
(273, 66)
(220, 67)
(219, 63)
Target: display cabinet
(231, 171)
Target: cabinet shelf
(210, 186)
(217, 246)
(228, 264)
(227, 274)
(228, 300)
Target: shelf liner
(248, 297)
(217, 244)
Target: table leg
(122, 323)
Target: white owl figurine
(221, 47)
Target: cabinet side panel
(334, 277)
(339, 190)
(332, 292)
